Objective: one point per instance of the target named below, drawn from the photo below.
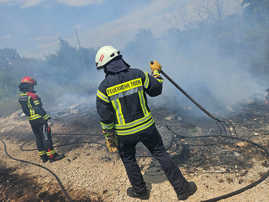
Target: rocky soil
(89, 173)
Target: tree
(69, 63)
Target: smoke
(217, 81)
(212, 58)
(209, 61)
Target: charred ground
(210, 161)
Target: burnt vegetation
(71, 71)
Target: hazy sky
(34, 26)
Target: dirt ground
(89, 173)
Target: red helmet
(28, 79)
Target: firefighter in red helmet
(39, 120)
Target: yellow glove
(111, 141)
(155, 67)
(111, 146)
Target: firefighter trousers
(42, 135)
(153, 141)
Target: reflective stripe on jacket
(32, 106)
(122, 103)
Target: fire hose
(241, 190)
(228, 195)
(222, 123)
(43, 167)
(231, 128)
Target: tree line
(72, 70)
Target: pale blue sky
(34, 26)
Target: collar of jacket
(28, 91)
(116, 65)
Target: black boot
(56, 157)
(44, 158)
(188, 190)
(133, 194)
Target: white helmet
(105, 55)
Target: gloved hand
(155, 67)
(111, 140)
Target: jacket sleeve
(104, 110)
(152, 85)
(38, 108)
(23, 102)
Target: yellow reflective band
(102, 96)
(33, 117)
(156, 72)
(136, 129)
(41, 153)
(146, 83)
(160, 80)
(46, 116)
(116, 110)
(134, 123)
(31, 111)
(36, 102)
(30, 106)
(106, 126)
(51, 152)
(120, 110)
(124, 87)
(142, 102)
(117, 107)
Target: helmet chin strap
(105, 70)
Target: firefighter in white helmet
(126, 119)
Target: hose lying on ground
(43, 167)
(222, 124)
(228, 127)
(239, 191)
(261, 179)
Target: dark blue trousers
(153, 141)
